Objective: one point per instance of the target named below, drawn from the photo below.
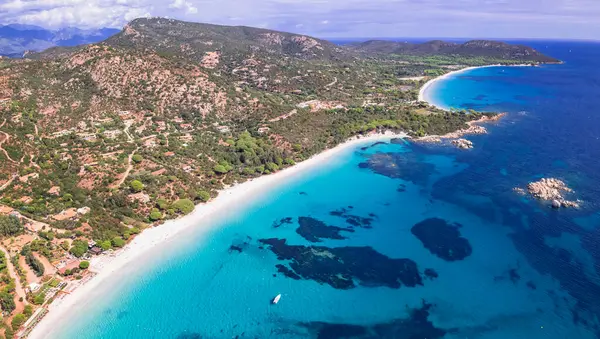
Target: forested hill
(192, 40)
(473, 48)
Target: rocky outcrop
(553, 190)
(472, 129)
(462, 143)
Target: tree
(136, 186)
(10, 226)
(39, 299)
(137, 158)
(220, 169)
(7, 302)
(35, 264)
(272, 167)
(204, 196)
(105, 245)
(184, 206)
(155, 214)
(17, 321)
(79, 248)
(118, 242)
(84, 265)
(28, 311)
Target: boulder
(556, 204)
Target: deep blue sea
(401, 240)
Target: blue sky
(567, 19)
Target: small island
(552, 190)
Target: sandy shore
(202, 218)
(423, 91)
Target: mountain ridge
(192, 40)
(471, 48)
(16, 39)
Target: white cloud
(525, 18)
(186, 5)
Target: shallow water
(429, 241)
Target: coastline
(423, 97)
(204, 217)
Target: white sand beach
(425, 96)
(202, 218)
(423, 92)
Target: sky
(563, 19)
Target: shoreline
(423, 97)
(472, 129)
(205, 217)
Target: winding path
(126, 131)
(126, 174)
(4, 140)
(9, 182)
(335, 80)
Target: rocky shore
(551, 189)
(456, 136)
(462, 143)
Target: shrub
(118, 242)
(272, 167)
(220, 169)
(84, 265)
(155, 214)
(136, 186)
(162, 204)
(204, 196)
(137, 158)
(184, 206)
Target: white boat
(276, 299)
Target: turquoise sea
(397, 239)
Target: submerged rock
(442, 239)
(282, 221)
(354, 220)
(430, 273)
(407, 166)
(344, 267)
(415, 326)
(373, 145)
(314, 230)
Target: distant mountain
(192, 40)
(474, 48)
(15, 39)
